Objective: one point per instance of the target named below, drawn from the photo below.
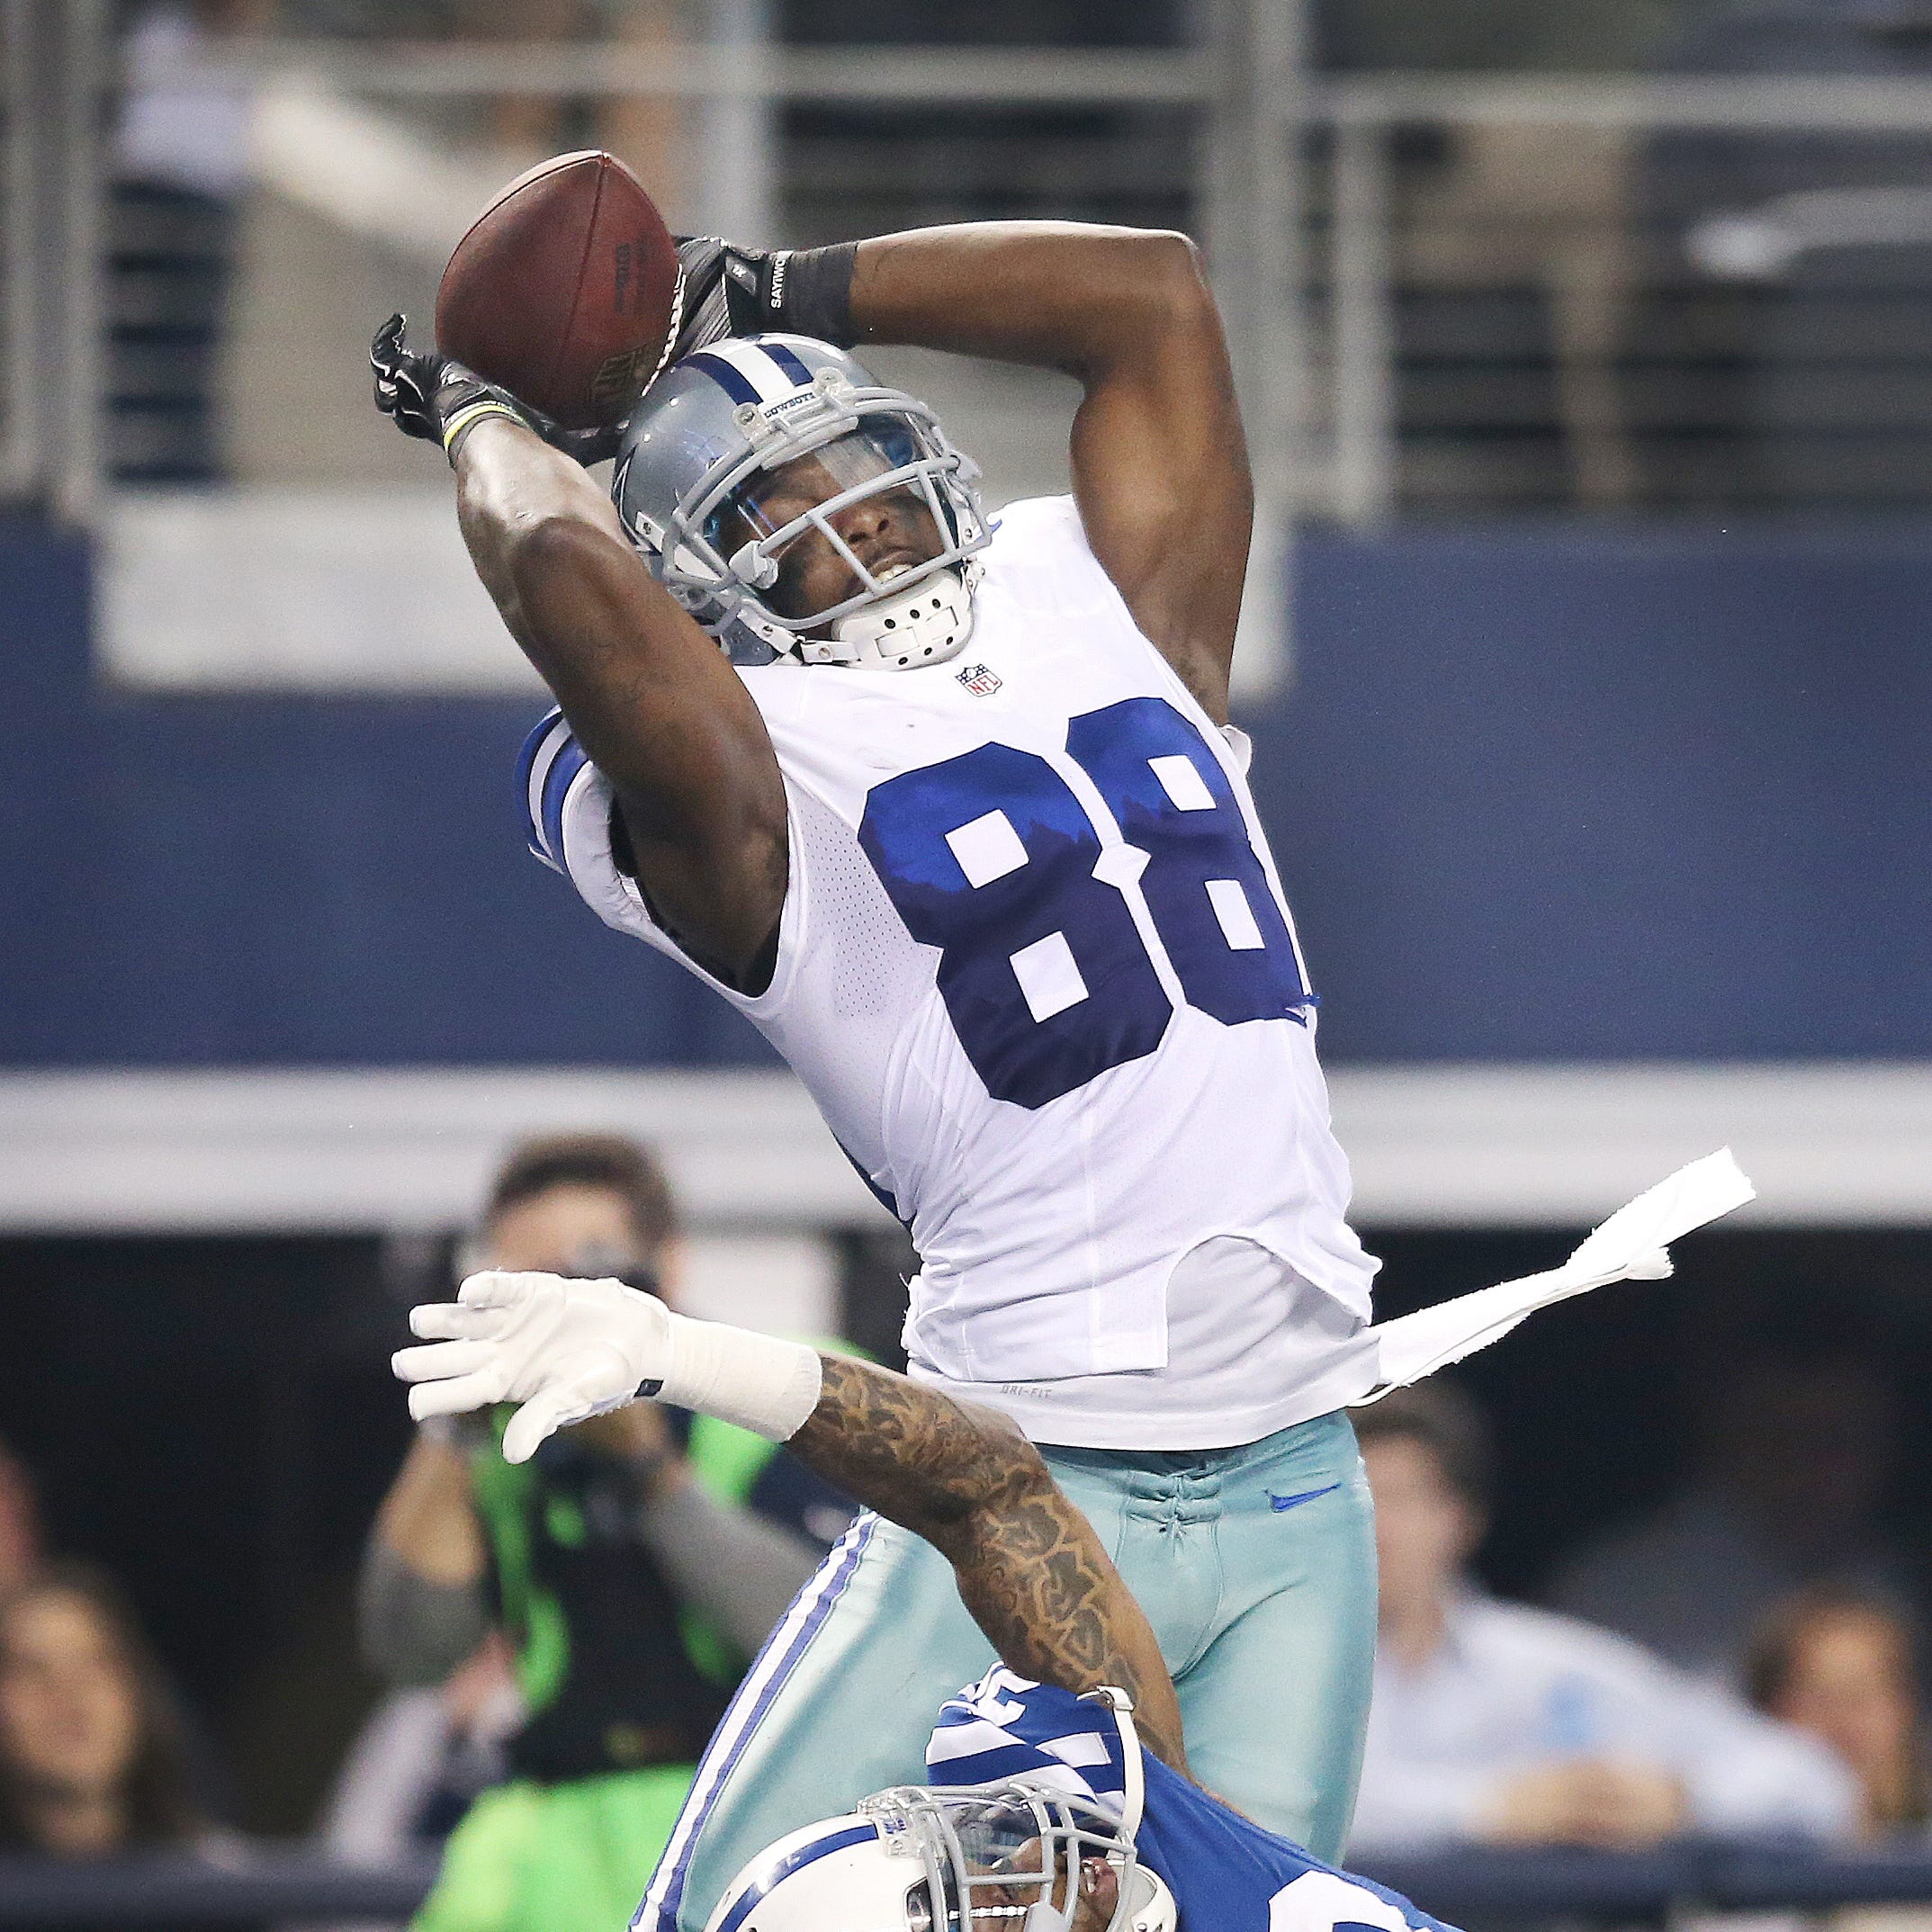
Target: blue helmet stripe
(756, 1892)
(732, 382)
(789, 361)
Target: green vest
(615, 1672)
(588, 1610)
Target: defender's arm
(1160, 462)
(1029, 1566)
(1028, 1563)
(650, 696)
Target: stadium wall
(1539, 795)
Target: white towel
(1630, 1244)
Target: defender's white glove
(566, 1350)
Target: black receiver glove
(433, 396)
(729, 291)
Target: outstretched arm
(1028, 1563)
(1029, 1566)
(1160, 462)
(650, 696)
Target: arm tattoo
(1029, 1564)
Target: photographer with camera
(635, 1567)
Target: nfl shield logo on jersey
(979, 681)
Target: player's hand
(424, 392)
(563, 1350)
(727, 292)
(406, 382)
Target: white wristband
(760, 1383)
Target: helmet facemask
(1009, 1856)
(736, 535)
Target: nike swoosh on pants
(1307, 1496)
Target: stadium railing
(53, 67)
(1560, 293)
(1443, 292)
(1475, 1887)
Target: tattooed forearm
(1029, 1566)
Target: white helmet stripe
(768, 377)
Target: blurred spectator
(634, 1565)
(91, 1754)
(187, 134)
(1842, 1665)
(1495, 1721)
(1800, 1438)
(645, 131)
(423, 1757)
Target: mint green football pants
(1256, 1566)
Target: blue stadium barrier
(1539, 793)
(287, 1889)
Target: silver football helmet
(978, 1858)
(741, 449)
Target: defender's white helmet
(979, 1858)
(698, 454)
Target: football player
(1058, 1791)
(958, 820)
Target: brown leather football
(564, 291)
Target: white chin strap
(925, 624)
(1146, 1904)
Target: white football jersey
(1035, 968)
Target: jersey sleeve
(566, 810)
(1006, 1729)
(566, 807)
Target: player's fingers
(450, 1321)
(498, 1287)
(441, 1360)
(543, 1414)
(455, 1397)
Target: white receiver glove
(565, 1350)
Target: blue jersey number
(991, 857)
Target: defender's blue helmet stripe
(732, 381)
(761, 1887)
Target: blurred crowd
(563, 1636)
(557, 1639)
